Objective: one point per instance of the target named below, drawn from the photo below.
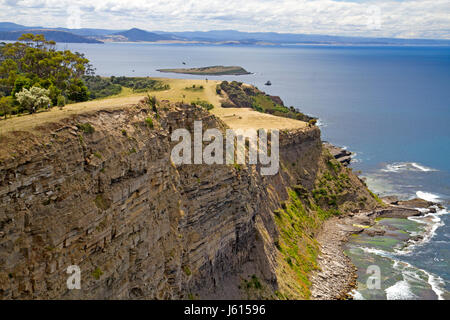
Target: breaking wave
(406, 166)
(427, 196)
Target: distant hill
(91, 35)
(10, 26)
(89, 32)
(142, 35)
(294, 38)
(57, 36)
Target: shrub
(152, 102)
(187, 271)
(6, 106)
(149, 122)
(33, 99)
(61, 101)
(97, 273)
(204, 104)
(86, 127)
(98, 155)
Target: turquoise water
(389, 105)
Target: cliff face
(98, 190)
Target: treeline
(244, 96)
(34, 75)
(101, 87)
(34, 62)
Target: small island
(210, 71)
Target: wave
(432, 222)
(427, 196)
(401, 290)
(406, 166)
(356, 295)
(321, 124)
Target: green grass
(97, 273)
(187, 271)
(194, 88)
(101, 202)
(149, 122)
(296, 241)
(377, 198)
(86, 127)
(98, 155)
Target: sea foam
(406, 166)
(427, 196)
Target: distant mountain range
(11, 31)
(58, 36)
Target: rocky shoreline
(337, 276)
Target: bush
(97, 273)
(33, 99)
(204, 104)
(236, 94)
(140, 84)
(149, 122)
(152, 102)
(86, 127)
(194, 88)
(100, 87)
(77, 91)
(61, 101)
(6, 106)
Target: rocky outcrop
(340, 154)
(98, 190)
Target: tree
(35, 62)
(22, 82)
(33, 99)
(5, 105)
(77, 90)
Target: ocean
(388, 105)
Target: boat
(268, 83)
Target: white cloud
(408, 18)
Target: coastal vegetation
(194, 88)
(296, 242)
(204, 104)
(244, 96)
(35, 76)
(33, 62)
(101, 87)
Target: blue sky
(374, 18)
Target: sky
(371, 18)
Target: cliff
(98, 190)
